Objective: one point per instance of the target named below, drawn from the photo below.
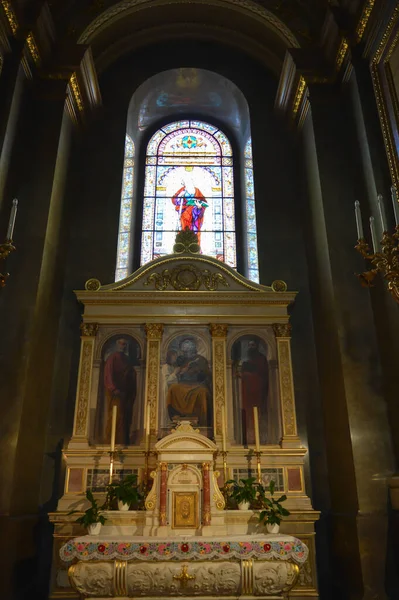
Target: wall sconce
(385, 259)
(8, 246)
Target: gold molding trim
(84, 386)
(300, 90)
(364, 18)
(120, 581)
(154, 334)
(286, 388)
(33, 49)
(10, 14)
(342, 51)
(219, 381)
(76, 91)
(247, 577)
(186, 278)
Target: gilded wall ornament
(218, 330)
(279, 286)
(84, 388)
(187, 278)
(286, 388)
(154, 331)
(219, 380)
(92, 285)
(88, 329)
(282, 330)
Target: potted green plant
(127, 492)
(273, 512)
(244, 492)
(92, 517)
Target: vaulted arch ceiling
(263, 28)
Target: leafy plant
(272, 512)
(127, 491)
(245, 490)
(91, 515)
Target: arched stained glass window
(252, 243)
(189, 183)
(125, 219)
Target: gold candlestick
(386, 262)
(5, 250)
(258, 454)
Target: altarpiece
(185, 347)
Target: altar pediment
(185, 438)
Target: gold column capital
(282, 330)
(154, 331)
(218, 330)
(163, 466)
(88, 329)
(206, 466)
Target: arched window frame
(125, 241)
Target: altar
(185, 348)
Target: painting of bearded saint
(190, 204)
(251, 386)
(187, 382)
(117, 387)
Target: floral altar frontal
(234, 566)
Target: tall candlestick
(359, 225)
(256, 428)
(223, 431)
(11, 222)
(113, 427)
(395, 204)
(373, 235)
(381, 208)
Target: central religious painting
(189, 184)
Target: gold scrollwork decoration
(151, 499)
(217, 497)
(33, 49)
(88, 329)
(218, 330)
(92, 285)
(154, 331)
(76, 91)
(298, 95)
(286, 387)
(219, 382)
(282, 330)
(184, 577)
(342, 50)
(187, 278)
(84, 388)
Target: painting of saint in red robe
(117, 387)
(190, 204)
(251, 374)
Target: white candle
(395, 204)
(113, 427)
(373, 235)
(223, 431)
(382, 212)
(256, 428)
(11, 222)
(358, 215)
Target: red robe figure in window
(255, 387)
(190, 203)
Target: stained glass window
(189, 183)
(252, 244)
(125, 219)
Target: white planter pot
(123, 506)
(244, 506)
(94, 529)
(272, 528)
